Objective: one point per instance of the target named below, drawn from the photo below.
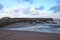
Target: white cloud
(55, 15)
(32, 12)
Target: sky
(30, 8)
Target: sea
(45, 28)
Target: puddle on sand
(37, 28)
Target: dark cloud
(56, 8)
(40, 8)
(1, 6)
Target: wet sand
(25, 35)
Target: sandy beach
(25, 35)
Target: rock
(56, 26)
